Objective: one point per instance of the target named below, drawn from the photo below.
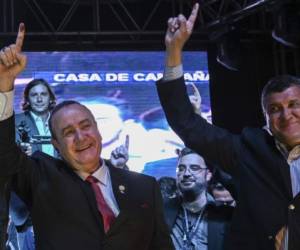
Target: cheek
(65, 146)
(201, 178)
(68, 145)
(30, 100)
(271, 121)
(179, 176)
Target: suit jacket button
(270, 237)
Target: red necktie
(106, 212)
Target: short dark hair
(187, 151)
(56, 109)
(25, 105)
(278, 84)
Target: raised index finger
(20, 36)
(196, 91)
(193, 16)
(127, 142)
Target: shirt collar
(38, 118)
(101, 174)
(288, 155)
(294, 154)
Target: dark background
(140, 25)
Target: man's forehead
(192, 159)
(78, 111)
(292, 92)
(39, 87)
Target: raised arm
(14, 163)
(213, 143)
(12, 63)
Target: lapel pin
(122, 189)
(144, 205)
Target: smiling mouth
(83, 148)
(187, 182)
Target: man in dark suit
(194, 218)
(264, 162)
(33, 134)
(80, 201)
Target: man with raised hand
(264, 162)
(80, 201)
(9, 56)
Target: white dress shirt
(43, 128)
(104, 182)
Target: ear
(267, 120)
(208, 175)
(55, 144)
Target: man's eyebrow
(272, 104)
(84, 121)
(70, 126)
(37, 93)
(66, 128)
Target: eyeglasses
(192, 168)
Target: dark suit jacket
(218, 218)
(63, 206)
(30, 124)
(4, 201)
(264, 189)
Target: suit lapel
(120, 187)
(215, 232)
(211, 231)
(172, 208)
(285, 173)
(280, 164)
(89, 194)
(121, 190)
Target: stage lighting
(287, 24)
